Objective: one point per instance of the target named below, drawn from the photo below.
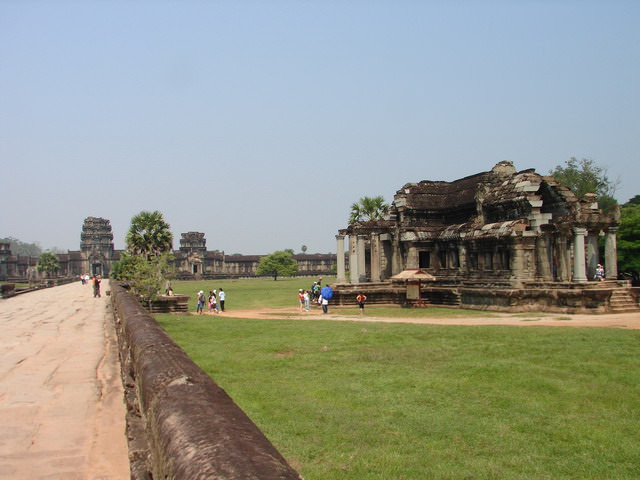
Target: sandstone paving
(62, 414)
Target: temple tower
(96, 245)
(194, 246)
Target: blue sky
(260, 123)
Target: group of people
(94, 281)
(313, 295)
(215, 301)
(321, 296)
(305, 298)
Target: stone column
(353, 260)
(375, 257)
(412, 256)
(396, 257)
(611, 254)
(341, 277)
(542, 252)
(385, 258)
(517, 262)
(362, 267)
(564, 259)
(462, 258)
(592, 246)
(579, 271)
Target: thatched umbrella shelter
(413, 277)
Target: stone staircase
(622, 301)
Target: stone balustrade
(181, 424)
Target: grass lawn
(250, 293)
(346, 400)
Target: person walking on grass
(221, 296)
(213, 302)
(360, 299)
(200, 302)
(307, 300)
(325, 304)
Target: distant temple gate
(192, 260)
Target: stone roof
(497, 203)
(439, 195)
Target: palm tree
(368, 208)
(149, 235)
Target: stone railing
(181, 425)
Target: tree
(584, 176)
(145, 275)
(628, 237)
(149, 235)
(126, 267)
(633, 201)
(368, 208)
(48, 263)
(22, 248)
(151, 275)
(280, 263)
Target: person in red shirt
(360, 299)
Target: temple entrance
(424, 259)
(96, 269)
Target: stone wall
(559, 297)
(181, 425)
(170, 304)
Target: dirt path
(614, 320)
(61, 401)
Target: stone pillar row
(519, 257)
(357, 265)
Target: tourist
(221, 296)
(213, 302)
(360, 299)
(307, 300)
(96, 286)
(200, 302)
(599, 276)
(325, 304)
(325, 295)
(82, 279)
(301, 300)
(315, 291)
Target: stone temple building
(501, 230)
(192, 260)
